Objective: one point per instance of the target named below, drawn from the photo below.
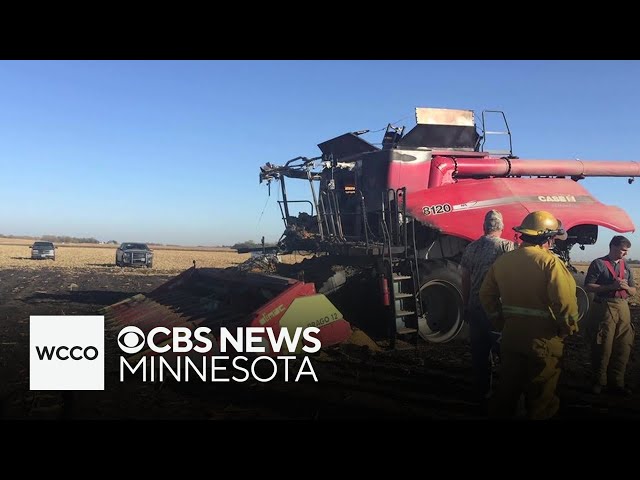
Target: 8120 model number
(436, 209)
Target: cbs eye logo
(131, 340)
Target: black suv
(43, 250)
(134, 255)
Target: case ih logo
(66, 353)
(556, 198)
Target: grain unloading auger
(388, 226)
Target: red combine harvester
(388, 227)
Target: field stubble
(165, 259)
(433, 382)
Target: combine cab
(388, 226)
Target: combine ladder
(401, 272)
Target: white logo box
(66, 352)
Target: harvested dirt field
(100, 256)
(432, 382)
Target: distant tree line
(66, 239)
(250, 244)
(18, 236)
(54, 238)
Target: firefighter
(612, 334)
(530, 295)
(476, 260)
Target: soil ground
(432, 382)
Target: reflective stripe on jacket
(533, 287)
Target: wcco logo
(66, 353)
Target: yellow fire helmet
(541, 223)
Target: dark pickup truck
(134, 255)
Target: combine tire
(584, 300)
(442, 309)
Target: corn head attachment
(215, 298)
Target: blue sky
(169, 151)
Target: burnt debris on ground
(432, 382)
